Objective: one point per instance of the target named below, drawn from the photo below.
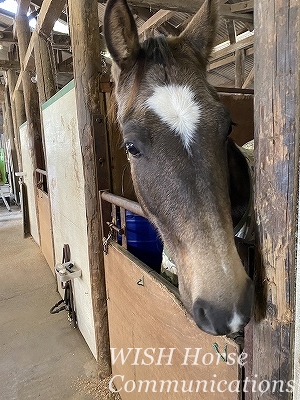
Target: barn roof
(231, 63)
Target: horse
(190, 179)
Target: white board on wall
(66, 192)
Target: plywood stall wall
(29, 171)
(66, 183)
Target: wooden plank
(277, 134)
(90, 103)
(145, 314)
(45, 226)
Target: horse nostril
(206, 317)
(218, 321)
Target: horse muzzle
(220, 319)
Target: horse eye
(130, 148)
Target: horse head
(175, 130)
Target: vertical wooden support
(44, 63)
(85, 39)
(239, 68)
(18, 111)
(30, 93)
(277, 99)
(10, 136)
(19, 102)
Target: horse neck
(239, 182)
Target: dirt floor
(41, 355)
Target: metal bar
(41, 171)
(123, 202)
(234, 90)
(123, 227)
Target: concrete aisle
(41, 355)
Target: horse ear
(201, 31)
(120, 33)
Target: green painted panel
(2, 167)
(59, 94)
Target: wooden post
(277, 114)
(84, 27)
(18, 111)
(239, 68)
(17, 98)
(44, 63)
(30, 93)
(10, 135)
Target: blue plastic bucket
(143, 240)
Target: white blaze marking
(176, 106)
(235, 322)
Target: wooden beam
(231, 31)
(44, 69)
(166, 28)
(90, 103)
(2, 92)
(239, 67)
(249, 79)
(49, 13)
(18, 111)
(23, 6)
(191, 6)
(6, 64)
(7, 37)
(157, 19)
(229, 59)
(30, 94)
(241, 44)
(28, 63)
(15, 156)
(244, 6)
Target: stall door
(45, 227)
(157, 350)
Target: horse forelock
(173, 102)
(153, 51)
